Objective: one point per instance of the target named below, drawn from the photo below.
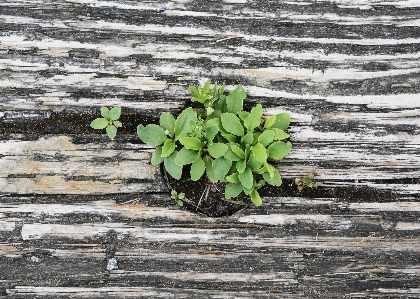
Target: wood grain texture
(71, 200)
(55, 165)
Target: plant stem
(205, 194)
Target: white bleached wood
(348, 73)
(55, 165)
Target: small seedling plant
(221, 140)
(178, 197)
(307, 182)
(108, 121)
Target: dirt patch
(72, 123)
(203, 196)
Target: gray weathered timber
(71, 200)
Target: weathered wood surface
(70, 200)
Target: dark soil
(73, 123)
(206, 198)
(203, 196)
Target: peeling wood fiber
(71, 200)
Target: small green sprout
(306, 182)
(178, 197)
(109, 120)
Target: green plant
(306, 182)
(109, 120)
(221, 140)
(178, 197)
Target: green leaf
(218, 122)
(233, 178)
(206, 87)
(278, 150)
(217, 150)
(248, 138)
(220, 105)
(117, 123)
(115, 113)
(260, 184)
(247, 151)
(192, 143)
(209, 111)
(275, 180)
(253, 163)
(105, 112)
(233, 190)
(266, 137)
(222, 90)
(167, 122)
(157, 156)
(280, 134)
(235, 99)
(261, 170)
(255, 197)
(248, 191)
(194, 91)
(186, 156)
(282, 121)
(221, 167)
(183, 123)
(151, 134)
(111, 130)
(215, 90)
(231, 155)
(168, 147)
(232, 168)
(232, 124)
(240, 166)
(209, 169)
(171, 167)
(270, 169)
(211, 132)
(269, 122)
(99, 123)
(256, 136)
(238, 151)
(243, 114)
(254, 118)
(259, 152)
(197, 169)
(214, 120)
(246, 178)
(227, 136)
(279, 121)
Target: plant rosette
(108, 121)
(232, 148)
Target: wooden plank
(57, 165)
(352, 95)
(191, 253)
(136, 292)
(71, 200)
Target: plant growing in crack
(222, 141)
(109, 120)
(178, 197)
(306, 182)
